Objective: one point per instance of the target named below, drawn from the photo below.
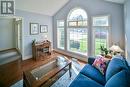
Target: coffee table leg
(70, 70)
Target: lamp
(116, 49)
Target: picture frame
(43, 28)
(34, 28)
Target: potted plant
(104, 50)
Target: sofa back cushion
(121, 79)
(91, 60)
(115, 66)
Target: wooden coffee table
(45, 75)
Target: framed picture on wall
(34, 28)
(43, 28)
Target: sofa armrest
(91, 60)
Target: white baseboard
(27, 57)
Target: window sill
(72, 54)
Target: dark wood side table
(41, 49)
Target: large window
(60, 34)
(101, 28)
(75, 28)
(77, 31)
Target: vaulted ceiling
(46, 7)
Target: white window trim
(57, 33)
(93, 32)
(75, 27)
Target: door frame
(17, 32)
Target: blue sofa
(117, 75)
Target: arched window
(77, 31)
(77, 18)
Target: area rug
(65, 80)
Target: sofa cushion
(115, 66)
(121, 79)
(83, 81)
(93, 73)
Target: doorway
(11, 33)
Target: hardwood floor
(25, 65)
(30, 63)
(10, 73)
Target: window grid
(77, 32)
(101, 33)
(60, 34)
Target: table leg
(70, 73)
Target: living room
(39, 33)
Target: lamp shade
(116, 48)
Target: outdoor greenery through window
(77, 31)
(60, 34)
(101, 31)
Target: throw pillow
(100, 64)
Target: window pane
(60, 23)
(72, 23)
(77, 18)
(101, 39)
(101, 21)
(60, 34)
(77, 14)
(78, 40)
(77, 23)
(82, 23)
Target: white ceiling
(46, 7)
